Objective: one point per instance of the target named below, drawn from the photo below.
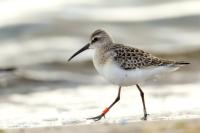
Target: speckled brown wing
(132, 58)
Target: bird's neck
(101, 54)
(103, 48)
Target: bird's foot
(97, 118)
(144, 117)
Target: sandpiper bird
(124, 65)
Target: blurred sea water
(38, 37)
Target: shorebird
(124, 65)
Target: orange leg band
(105, 111)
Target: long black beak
(81, 50)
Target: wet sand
(60, 106)
(179, 126)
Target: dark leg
(107, 109)
(143, 102)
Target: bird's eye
(94, 40)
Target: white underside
(118, 76)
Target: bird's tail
(181, 63)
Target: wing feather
(132, 58)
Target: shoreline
(181, 126)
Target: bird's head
(98, 39)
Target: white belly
(116, 75)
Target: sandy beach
(179, 126)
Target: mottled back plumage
(132, 58)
